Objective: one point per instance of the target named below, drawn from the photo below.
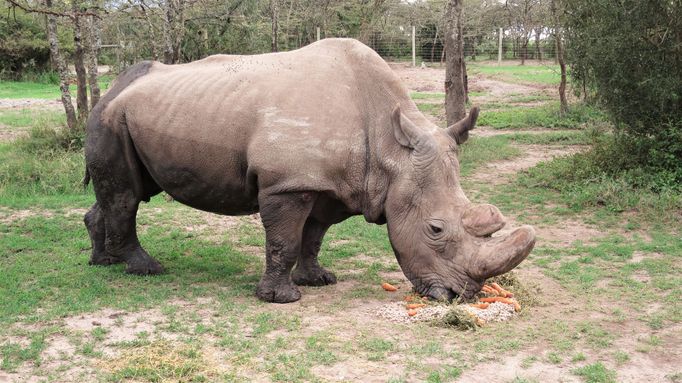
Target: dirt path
(29, 103)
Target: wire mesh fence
(429, 46)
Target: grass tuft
(596, 373)
(162, 361)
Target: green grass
(25, 89)
(14, 354)
(30, 117)
(24, 174)
(546, 116)
(547, 74)
(427, 95)
(479, 150)
(596, 373)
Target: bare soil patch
(498, 172)
(488, 131)
(418, 79)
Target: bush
(612, 174)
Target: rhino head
(442, 241)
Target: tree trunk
(274, 14)
(562, 65)
(93, 43)
(173, 30)
(465, 81)
(152, 33)
(62, 69)
(79, 64)
(455, 97)
(435, 41)
(524, 50)
(538, 50)
(560, 58)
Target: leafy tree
(23, 45)
(630, 53)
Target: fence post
(414, 52)
(318, 33)
(499, 49)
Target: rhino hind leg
(121, 241)
(308, 271)
(121, 182)
(94, 222)
(283, 216)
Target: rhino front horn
(501, 254)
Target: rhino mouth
(441, 294)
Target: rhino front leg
(283, 216)
(308, 271)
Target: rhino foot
(140, 263)
(277, 293)
(103, 260)
(314, 276)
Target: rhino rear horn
(459, 131)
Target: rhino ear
(459, 131)
(404, 130)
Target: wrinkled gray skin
(307, 138)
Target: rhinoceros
(307, 138)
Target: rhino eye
(436, 229)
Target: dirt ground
(319, 308)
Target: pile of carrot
(497, 294)
(413, 302)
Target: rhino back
(214, 132)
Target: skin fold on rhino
(307, 138)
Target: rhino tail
(86, 178)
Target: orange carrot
(497, 299)
(513, 302)
(502, 292)
(480, 305)
(489, 290)
(411, 312)
(388, 287)
(412, 306)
